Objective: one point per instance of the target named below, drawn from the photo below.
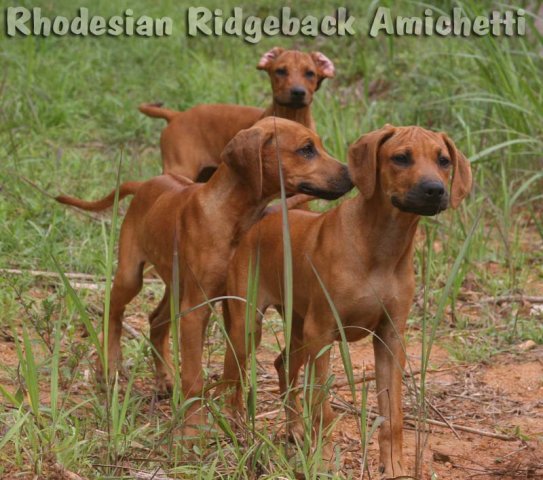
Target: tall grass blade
(250, 340)
(443, 299)
(429, 338)
(12, 399)
(14, 429)
(83, 315)
(54, 383)
(501, 146)
(109, 270)
(287, 266)
(175, 320)
(343, 344)
(30, 372)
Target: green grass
(68, 110)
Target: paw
(296, 431)
(163, 386)
(191, 433)
(388, 473)
(101, 382)
(235, 405)
(398, 477)
(194, 431)
(195, 422)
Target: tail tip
(143, 106)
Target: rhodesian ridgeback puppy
(362, 252)
(199, 226)
(193, 140)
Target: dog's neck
(386, 234)
(299, 115)
(229, 193)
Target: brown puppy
(363, 253)
(201, 224)
(193, 140)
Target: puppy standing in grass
(202, 223)
(362, 252)
(193, 140)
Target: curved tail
(155, 110)
(126, 188)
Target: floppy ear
(461, 180)
(243, 154)
(363, 159)
(324, 64)
(269, 57)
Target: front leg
(389, 350)
(317, 335)
(159, 329)
(192, 331)
(238, 350)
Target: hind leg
(159, 324)
(288, 384)
(237, 349)
(317, 334)
(126, 285)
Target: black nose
(298, 92)
(433, 190)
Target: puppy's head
(412, 167)
(295, 76)
(257, 152)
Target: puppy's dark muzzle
(336, 187)
(428, 197)
(296, 97)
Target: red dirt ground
(504, 396)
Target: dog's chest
(364, 303)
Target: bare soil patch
(503, 396)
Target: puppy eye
(307, 151)
(402, 160)
(281, 72)
(310, 74)
(443, 162)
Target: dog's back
(197, 136)
(193, 140)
